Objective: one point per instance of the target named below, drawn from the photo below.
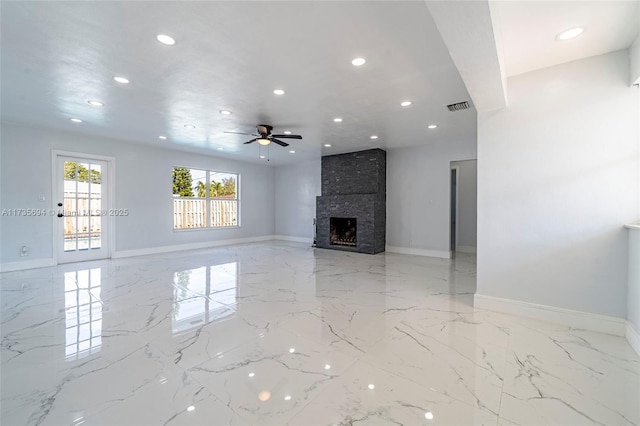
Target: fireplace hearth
(343, 231)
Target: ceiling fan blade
(242, 133)
(288, 136)
(279, 142)
(252, 140)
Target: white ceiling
(231, 55)
(528, 30)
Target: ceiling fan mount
(264, 136)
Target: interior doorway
(463, 206)
(453, 216)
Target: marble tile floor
(279, 333)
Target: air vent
(459, 106)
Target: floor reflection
(203, 295)
(83, 313)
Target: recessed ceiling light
(252, 374)
(121, 80)
(337, 120)
(162, 137)
(373, 137)
(189, 126)
(287, 132)
(191, 408)
(405, 103)
(292, 151)
(262, 156)
(569, 34)
(428, 415)
(432, 126)
(327, 145)
(95, 103)
(287, 398)
(225, 112)
(278, 92)
(165, 39)
(359, 62)
(220, 148)
(327, 366)
(76, 120)
(371, 386)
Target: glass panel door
(82, 221)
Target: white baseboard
(571, 318)
(191, 246)
(419, 252)
(633, 337)
(27, 264)
(466, 249)
(293, 239)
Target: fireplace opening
(343, 231)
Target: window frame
(207, 199)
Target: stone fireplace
(351, 212)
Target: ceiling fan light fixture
(264, 141)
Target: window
(204, 199)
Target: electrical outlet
(41, 197)
(24, 251)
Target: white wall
(634, 54)
(418, 188)
(297, 187)
(558, 176)
(633, 298)
(143, 185)
(467, 202)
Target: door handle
(60, 215)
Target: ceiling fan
(264, 136)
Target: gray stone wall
(354, 185)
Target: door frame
(456, 243)
(111, 179)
